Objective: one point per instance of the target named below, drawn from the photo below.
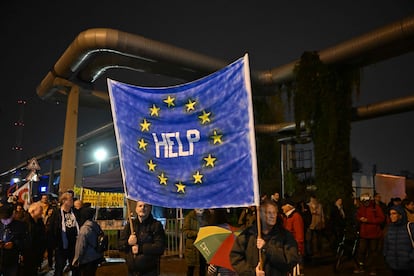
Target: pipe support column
(67, 175)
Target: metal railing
(174, 235)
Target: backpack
(102, 242)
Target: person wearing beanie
(87, 257)
(398, 245)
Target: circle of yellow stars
(204, 118)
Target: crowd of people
(50, 231)
(384, 237)
(64, 234)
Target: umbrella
(215, 243)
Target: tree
(322, 97)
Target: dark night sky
(35, 34)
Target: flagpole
(81, 194)
(10, 189)
(131, 227)
(259, 235)
(29, 200)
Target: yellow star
(145, 125)
(197, 177)
(204, 117)
(154, 110)
(180, 187)
(169, 101)
(151, 166)
(216, 138)
(190, 105)
(210, 160)
(142, 144)
(163, 179)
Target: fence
(174, 235)
(173, 232)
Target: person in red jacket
(293, 222)
(370, 216)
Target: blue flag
(191, 145)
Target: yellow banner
(108, 200)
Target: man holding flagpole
(277, 246)
(143, 240)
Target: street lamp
(100, 155)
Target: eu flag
(191, 145)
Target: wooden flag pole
(259, 235)
(131, 227)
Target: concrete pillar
(67, 175)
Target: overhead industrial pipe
(360, 113)
(108, 48)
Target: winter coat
(14, 232)
(337, 220)
(55, 231)
(293, 222)
(375, 217)
(280, 253)
(318, 217)
(398, 250)
(35, 244)
(86, 243)
(151, 245)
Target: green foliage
(291, 183)
(322, 98)
(268, 110)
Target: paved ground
(175, 266)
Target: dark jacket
(191, 226)
(398, 251)
(151, 244)
(35, 244)
(86, 243)
(280, 252)
(337, 221)
(14, 232)
(55, 230)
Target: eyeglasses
(393, 213)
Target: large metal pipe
(360, 113)
(93, 43)
(95, 50)
(389, 41)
